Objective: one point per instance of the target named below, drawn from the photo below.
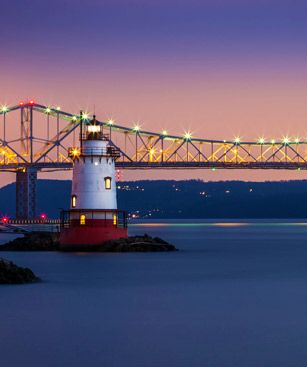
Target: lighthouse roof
(93, 122)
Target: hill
(183, 199)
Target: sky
(218, 68)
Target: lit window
(114, 219)
(82, 219)
(107, 183)
(74, 201)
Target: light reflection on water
(216, 224)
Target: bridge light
(297, 140)
(4, 108)
(48, 110)
(74, 118)
(58, 108)
(152, 151)
(110, 122)
(43, 216)
(136, 128)
(5, 219)
(237, 140)
(74, 152)
(286, 140)
(31, 102)
(21, 103)
(84, 116)
(273, 141)
(164, 132)
(187, 136)
(261, 141)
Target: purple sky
(220, 68)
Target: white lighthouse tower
(93, 217)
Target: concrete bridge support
(26, 193)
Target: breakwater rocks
(143, 243)
(49, 241)
(137, 244)
(10, 273)
(33, 241)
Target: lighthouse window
(82, 219)
(107, 183)
(74, 201)
(114, 219)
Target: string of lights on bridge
(187, 135)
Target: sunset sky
(220, 68)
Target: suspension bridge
(37, 138)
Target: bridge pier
(26, 193)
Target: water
(234, 295)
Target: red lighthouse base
(89, 229)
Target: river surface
(234, 295)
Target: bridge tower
(26, 180)
(93, 217)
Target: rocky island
(10, 273)
(49, 241)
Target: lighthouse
(93, 217)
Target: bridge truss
(35, 137)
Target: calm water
(235, 295)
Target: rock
(10, 273)
(49, 241)
(33, 241)
(131, 244)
